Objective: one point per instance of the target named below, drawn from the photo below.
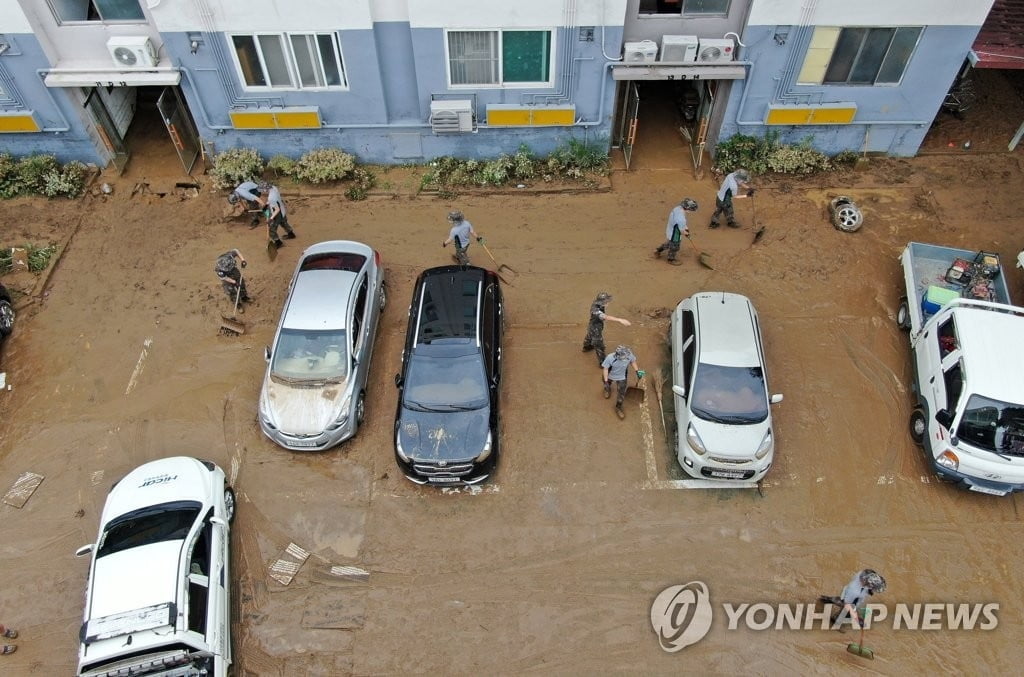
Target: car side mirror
(679, 390)
(266, 353)
(84, 550)
(945, 418)
(776, 398)
(219, 521)
(398, 380)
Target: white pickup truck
(966, 341)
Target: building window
(507, 57)
(871, 56)
(96, 10)
(292, 61)
(685, 7)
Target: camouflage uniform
(594, 340)
(226, 269)
(281, 219)
(723, 201)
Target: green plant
(6, 260)
(236, 165)
(766, 154)
(281, 165)
(32, 171)
(845, 157)
(363, 180)
(39, 257)
(324, 164)
(67, 181)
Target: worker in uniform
(594, 340)
(734, 183)
(615, 368)
(461, 235)
(676, 230)
(230, 275)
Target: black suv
(6, 313)
(446, 426)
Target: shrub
(236, 165)
(67, 181)
(282, 165)
(845, 157)
(9, 185)
(766, 154)
(39, 257)
(362, 181)
(32, 171)
(324, 164)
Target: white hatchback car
(723, 418)
(158, 598)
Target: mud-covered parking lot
(553, 565)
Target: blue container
(936, 297)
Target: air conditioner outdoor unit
(678, 48)
(715, 50)
(451, 116)
(640, 52)
(130, 51)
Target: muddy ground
(553, 565)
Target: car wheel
(6, 318)
(383, 298)
(918, 426)
(229, 504)
(903, 315)
(360, 408)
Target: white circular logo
(681, 615)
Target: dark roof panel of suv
(451, 298)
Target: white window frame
(290, 62)
(553, 51)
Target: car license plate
(988, 490)
(727, 474)
(444, 480)
(304, 443)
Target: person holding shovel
(230, 276)
(461, 234)
(734, 183)
(276, 213)
(852, 601)
(594, 340)
(676, 230)
(616, 368)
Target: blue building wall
(384, 117)
(890, 119)
(65, 129)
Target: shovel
(505, 273)
(233, 324)
(858, 648)
(702, 257)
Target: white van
(158, 598)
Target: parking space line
(138, 366)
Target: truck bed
(925, 265)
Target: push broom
(858, 649)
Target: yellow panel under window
(823, 114)
(554, 116)
(788, 116)
(508, 117)
(833, 115)
(303, 118)
(18, 122)
(298, 120)
(819, 54)
(247, 120)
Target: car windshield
(993, 425)
(446, 382)
(164, 522)
(311, 356)
(729, 394)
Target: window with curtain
(499, 57)
(292, 61)
(871, 56)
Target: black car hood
(443, 436)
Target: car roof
(450, 303)
(324, 277)
(179, 478)
(726, 325)
(990, 350)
